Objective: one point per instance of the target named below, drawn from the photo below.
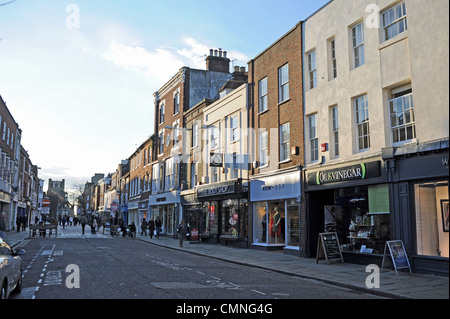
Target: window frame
(263, 95)
(397, 21)
(358, 47)
(362, 124)
(312, 69)
(313, 138)
(283, 83)
(285, 145)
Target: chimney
(217, 61)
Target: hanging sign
(398, 255)
(328, 247)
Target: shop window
(432, 218)
(292, 223)
(361, 218)
(260, 224)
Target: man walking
(2, 225)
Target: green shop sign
(342, 174)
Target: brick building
(276, 115)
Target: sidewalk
(405, 285)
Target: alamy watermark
(73, 279)
(73, 18)
(373, 280)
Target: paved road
(121, 268)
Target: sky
(78, 76)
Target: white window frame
(283, 83)
(333, 61)
(176, 102)
(402, 117)
(169, 176)
(334, 117)
(194, 135)
(162, 109)
(361, 108)
(312, 69)
(394, 21)
(358, 40)
(313, 138)
(264, 148)
(285, 142)
(234, 128)
(263, 98)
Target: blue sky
(79, 76)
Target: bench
(43, 229)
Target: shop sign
(342, 174)
(213, 190)
(275, 187)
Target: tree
(81, 193)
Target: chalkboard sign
(398, 255)
(328, 247)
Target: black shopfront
(351, 199)
(224, 213)
(418, 179)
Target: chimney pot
(236, 68)
(216, 53)
(243, 69)
(211, 52)
(224, 54)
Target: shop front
(193, 214)
(166, 208)
(275, 201)
(224, 215)
(418, 180)
(351, 199)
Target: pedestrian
(182, 228)
(64, 219)
(2, 225)
(132, 230)
(70, 220)
(83, 223)
(151, 227)
(18, 223)
(144, 226)
(158, 226)
(94, 225)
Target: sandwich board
(328, 247)
(398, 255)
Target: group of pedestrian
(153, 226)
(94, 222)
(21, 222)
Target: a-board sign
(398, 255)
(328, 247)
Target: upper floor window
(313, 139)
(283, 76)
(362, 122)
(333, 63)
(358, 44)
(161, 113)
(234, 125)
(214, 136)
(263, 105)
(285, 143)
(176, 103)
(194, 135)
(401, 111)
(312, 70)
(335, 130)
(264, 148)
(393, 21)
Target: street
(76, 266)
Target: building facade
(276, 148)
(370, 101)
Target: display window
(211, 213)
(276, 223)
(361, 217)
(432, 218)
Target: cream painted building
(376, 105)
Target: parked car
(10, 270)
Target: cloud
(163, 62)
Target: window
(393, 21)
(313, 140)
(4, 130)
(161, 113)
(401, 110)
(362, 122)
(194, 135)
(161, 142)
(312, 70)
(169, 173)
(214, 174)
(234, 125)
(193, 174)
(284, 142)
(176, 103)
(155, 178)
(335, 131)
(358, 45)
(235, 168)
(264, 148)
(283, 75)
(263, 95)
(214, 137)
(176, 132)
(333, 64)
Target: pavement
(352, 276)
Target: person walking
(182, 229)
(64, 221)
(144, 226)
(83, 221)
(151, 227)
(2, 225)
(158, 226)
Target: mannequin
(264, 225)
(276, 223)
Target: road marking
(259, 292)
